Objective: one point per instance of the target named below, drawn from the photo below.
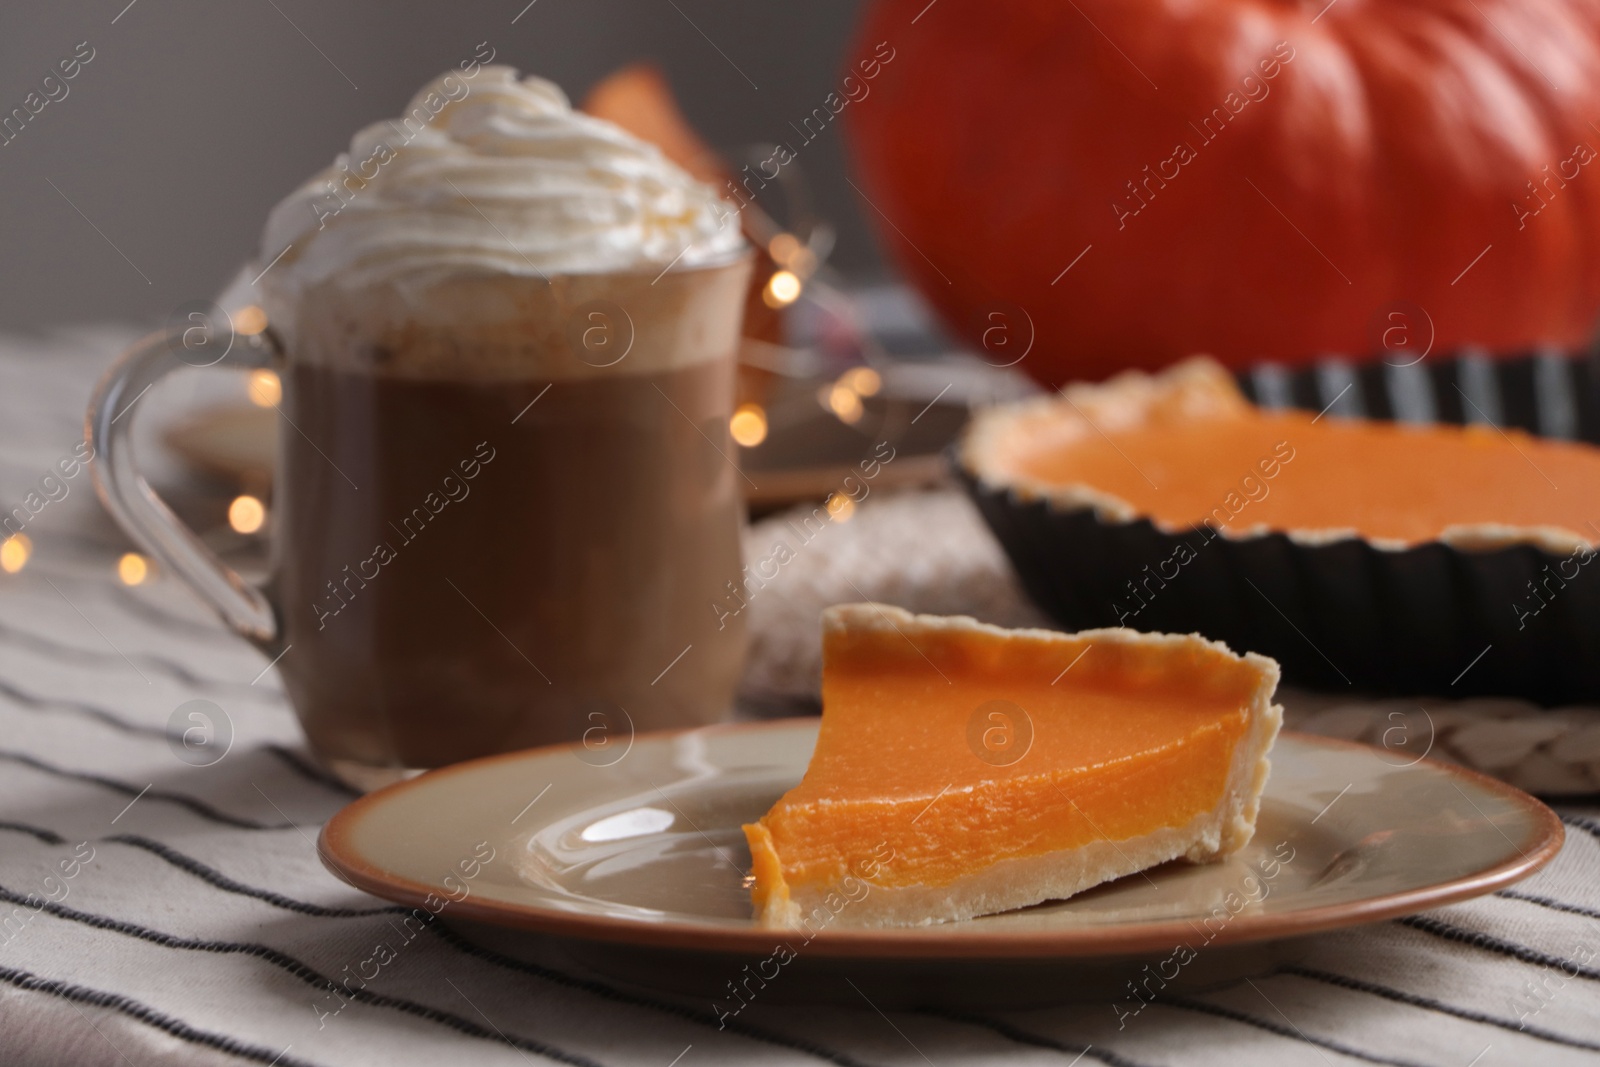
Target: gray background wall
(195, 116)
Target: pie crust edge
(1197, 384)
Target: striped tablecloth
(155, 912)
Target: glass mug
(504, 511)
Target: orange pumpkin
(1124, 182)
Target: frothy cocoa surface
(494, 327)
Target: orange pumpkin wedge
(1185, 449)
(962, 769)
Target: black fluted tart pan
(1342, 612)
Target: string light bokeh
(14, 553)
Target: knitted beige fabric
(927, 552)
(1553, 752)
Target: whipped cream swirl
(492, 173)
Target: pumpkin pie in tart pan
(1404, 555)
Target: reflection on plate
(636, 870)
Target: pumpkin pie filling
(1185, 448)
(961, 769)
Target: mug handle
(136, 508)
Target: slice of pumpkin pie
(962, 769)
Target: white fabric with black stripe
(157, 912)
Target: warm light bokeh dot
(249, 321)
(844, 402)
(748, 425)
(840, 507)
(265, 388)
(783, 247)
(783, 288)
(14, 553)
(863, 380)
(132, 568)
(246, 514)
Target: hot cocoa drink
(507, 504)
(507, 511)
(509, 532)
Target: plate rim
(934, 941)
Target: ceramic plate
(629, 855)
